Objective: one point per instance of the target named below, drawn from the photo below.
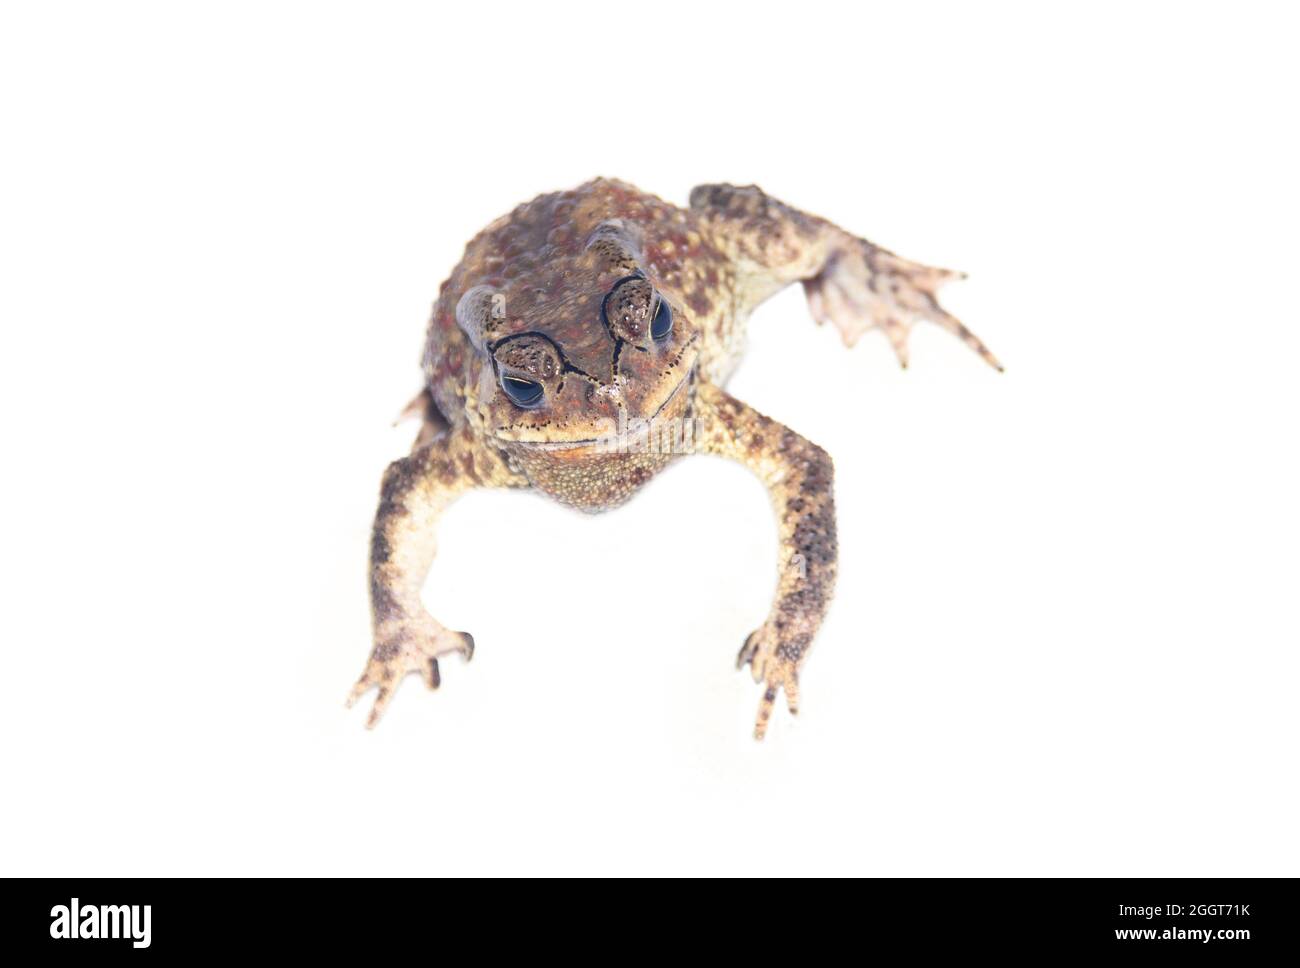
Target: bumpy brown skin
(561, 297)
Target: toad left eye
(662, 324)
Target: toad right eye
(522, 393)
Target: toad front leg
(850, 282)
(799, 479)
(415, 491)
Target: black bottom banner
(141, 919)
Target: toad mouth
(591, 441)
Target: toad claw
(775, 670)
(864, 286)
(780, 675)
(404, 650)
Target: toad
(582, 344)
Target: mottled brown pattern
(412, 496)
(558, 298)
(800, 481)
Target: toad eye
(522, 393)
(662, 324)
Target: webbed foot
(864, 286)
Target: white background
(1065, 636)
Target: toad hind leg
(800, 480)
(850, 282)
(415, 491)
(863, 286)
